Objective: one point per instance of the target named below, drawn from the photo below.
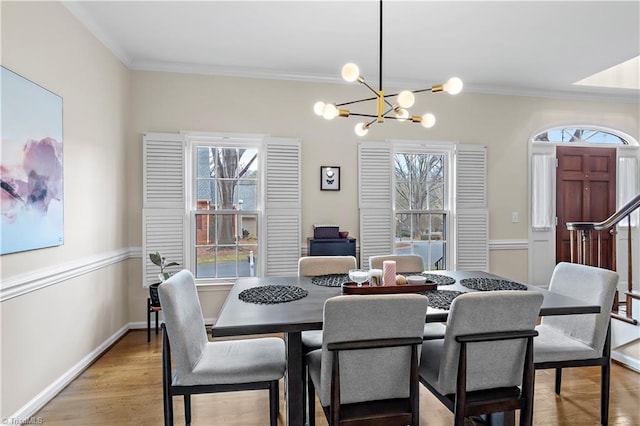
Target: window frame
(446, 151)
(194, 141)
(624, 139)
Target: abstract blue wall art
(31, 172)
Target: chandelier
(397, 110)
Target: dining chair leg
(156, 322)
(558, 380)
(311, 402)
(605, 379)
(168, 410)
(149, 320)
(305, 394)
(274, 405)
(187, 409)
(167, 396)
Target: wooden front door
(585, 192)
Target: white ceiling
(504, 47)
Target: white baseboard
(47, 394)
(632, 363)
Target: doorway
(585, 192)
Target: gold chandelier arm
(369, 87)
(355, 114)
(355, 102)
(429, 89)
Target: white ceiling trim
(85, 18)
(102, 21)
(264, 74)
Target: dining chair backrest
(183, 320)
(405, 263)
(492, 364)
(373, 374)
(591, 285)
(313, 266)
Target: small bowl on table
(343, 234)
(416, 279)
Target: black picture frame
(330, 178)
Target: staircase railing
(581, 238)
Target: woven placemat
(331, 280)
(436, 278)
(491, 284)
(270, 294)
(441, 299)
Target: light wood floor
(123, 387)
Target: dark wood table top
(240, 318)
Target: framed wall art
(330, 178)
(31, 166)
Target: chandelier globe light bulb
(329, 111)
(402, 114)
(406, 99)
(318, 107)
(350, 72)
(361, 129)
(428, 120)
(453, 86)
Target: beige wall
(106, 110)
(48, 331)
(166, 102)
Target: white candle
(376, 276)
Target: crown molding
(269, 74)
(77, 10)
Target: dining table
(240, 315)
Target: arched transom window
(580, 135)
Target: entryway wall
(542, 187)
(543, 224)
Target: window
(419, 202)
(223, 206)
(225, 209)
(424, 198)
(579, 135)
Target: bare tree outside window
(420, 207)
(579, 135)
(226, 221)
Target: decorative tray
(352, 288)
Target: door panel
(586, 187)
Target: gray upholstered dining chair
(207, 367)
(485, 362)
(368, 370)
(405, 263)
(314, 266)
(410, 263)
(579, 340)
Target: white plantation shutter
(163, 231)
(163, 157)
(471, 176)
(471, 217)
(163, 214)
(375, 200)
(283, 206)
(472, 241)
